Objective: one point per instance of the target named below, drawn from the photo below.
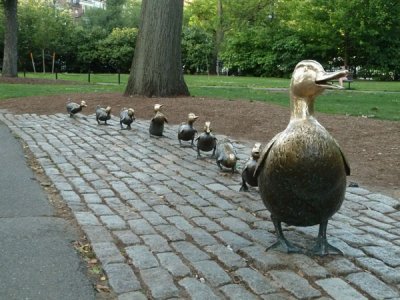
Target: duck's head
(131, 112)
(207, 127)
(157, 107)
(108, 109)
(255, 152)
(309, 79)
(83, 103)
(192, 117)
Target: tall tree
(156, 67)
(10, 56)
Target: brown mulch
(371, 146)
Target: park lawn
(370, 99)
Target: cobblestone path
(167, 225)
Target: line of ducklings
(223, 151)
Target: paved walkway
(167, 225)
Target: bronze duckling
(249, 168)
(103, 114)
(186, 131)
(73, 108)
(226, 155)
(126, 116)
(302, 171)
(206, 141)
(157, 122)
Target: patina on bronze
(103, 114)
(302, 171)
(73, 108)
(206, 141)
(126, 116)
(226, 155)
(157, 122)
(186, 131)
(249, 168)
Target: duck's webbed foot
(322, 247)
(282, 243)
(244, 187)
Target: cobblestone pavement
(167, 225)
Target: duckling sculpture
(302, 171)
(186, 131)
(226, 155)
(73, 108)
(157, 122)
(206, 141)
(249, 168)
(126, 116)
(103, 114)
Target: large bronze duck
(157, 122)
(302, 171)
(73, 108)
(186, 131)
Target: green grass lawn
(374, 99)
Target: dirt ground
(372, 147)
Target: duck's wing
(346, 163)
(264, 154)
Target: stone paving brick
(153, 218)
(165, 210)
(171, 233)
(226, 256)
(121, 278)
(180, 223)
(173, 264)
(197, 290)
(190, 251)
(132, 296)
(202, 237)
(383, 199)
(160, 283)
(107, 253)
(97, 234)
(86, 218)
(141, 226)
(234, 224)
(295, 284)
(390, 256)
(213, 212)
(113, 222)
(92, 198)
(264, 260)
(237, 292)
(127, 237)
(141, 257)
(341, 266)
(258, 283)
(379, 268)
(207, 224)
(212, 272)
(156, 243)
(372, 285)
(260, 236)
(100, 209)
(70, 196)
(339, 289)
(308, 265)
(235, 241)
(189, 211)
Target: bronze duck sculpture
(186, 131)
(157, 122)
(249, 168)
(126, 116)
(302, 171)
(103, 114)
(225, 155)
(73, 108)
(206, 141)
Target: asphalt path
(37, 259)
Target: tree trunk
(10, 58)
(156, 67)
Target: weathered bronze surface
(126, 116)
(206, 141)
(73, 108)
(103, 114)
(226, 155)
(186, 131)
(157, 122)
(249, 168)
(302, 171)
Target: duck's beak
(324, 79)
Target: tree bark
(10, 57)
(156, 67)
